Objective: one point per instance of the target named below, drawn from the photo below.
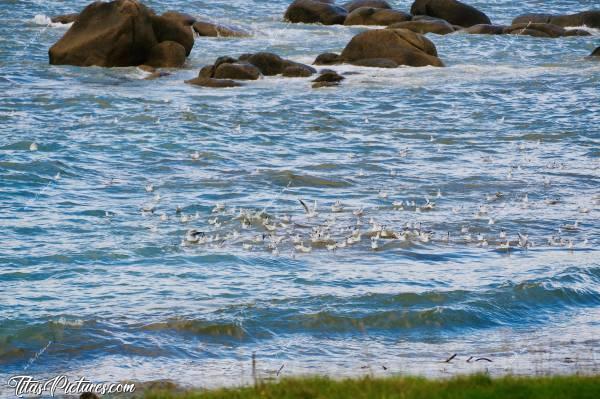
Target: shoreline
(407, 387)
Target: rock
(65, 19)
(453, 11)
(88, 395)
(172, 29)
(179, 17)
(298, 71)
(269, 64)
(166, 55)
(587, 18)
(314, 11)
(329, 76)
(239, 71)
(318, 85)
(224, 60)
(438, 26)
(485, 29)
(376, 63)
(119, 33)
(548, 30)
(595, 53)
(375, 16)
(209, 29)
(206, 71)
(328, 59)
(399, 45)
(353, 5)
(210, 82)
(577, 32)
(147, 68)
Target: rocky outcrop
(236, 71)
(437, 26)
(353, 5)
(402, 46)
(453, 11)
(585, 18)
(123, 33)
(315, 11)
(209, 29)
(376, 16)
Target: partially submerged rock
(327, 78)
(237, 71)
(402, 46)
(585, 18)
(437, 26)
(595, 53)
(453, 11)
(123, 33)
(376, 16)
(315, 11)
(209, 29)
(485, 29)
(353, 5)
(214, 83)
(119, 33)
(328, 59)
(542, 30)
(166, 54)
(65, 19)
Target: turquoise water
(93, 283)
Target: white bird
(572, 227)
(302, 248)
(374, 243)
(502, 234)
(149, 188)
(33, 147)
(310, 212)
(337, 207)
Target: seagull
(337, 207)
(33, 147)
(310, 212)
(149, 188)
(572, 227)
(302, 248)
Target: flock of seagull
(338, 226)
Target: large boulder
(453, 11)
(269, 64)
(353, 5)
(172, 28)
(166, 55)
(375, 16)
(437, 26)
(402, 46)
(119, 33)
(587, 18)
(209, 29)
(315, 11)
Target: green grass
(471, 387)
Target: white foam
(44, 20)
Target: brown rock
(215, 83)
(439, 26)
(179, 17)
(166, 55)
(547, 30)
(269, 64)
(238, 71)
(209, 29)
(587, 18)
(453, 11)
(353, 5)
(376, 63)
(172, 29)
(328, 59)
(485, 29)
(298, 71)
(375, 16)
(313, 11)
(399, 45)
(65, 19)
(329, 76)
(119, 33)
(577, 32)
